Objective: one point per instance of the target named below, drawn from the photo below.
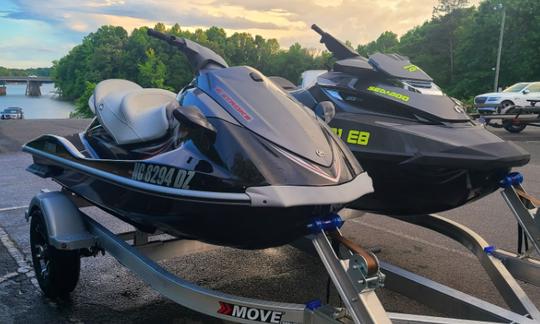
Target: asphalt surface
(109, 293)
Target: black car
(12, 113)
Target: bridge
(33, 84)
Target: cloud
(87, 15)
(287, 20)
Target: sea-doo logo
(249, 313)
(244, 114)
(389, 93)
(411, 68)
(162, 175)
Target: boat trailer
(514, 119)
(355, 272)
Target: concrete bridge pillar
(33, 88)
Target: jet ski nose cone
(261, 107)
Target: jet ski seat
(130, 113)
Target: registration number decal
(162, 175)
(353, 136)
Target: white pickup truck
(515, 95)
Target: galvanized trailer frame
(135, 251)
(527, 116)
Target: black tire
(512, 126)
(505, 104)
(57, 271)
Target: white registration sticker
(162, 175)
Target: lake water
(45, 106)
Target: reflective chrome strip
(265, 196)
(87, 147)
(290, 196)
(236, 197)
(311, 167)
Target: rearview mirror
(192, 118)
(325, 110)
(526, 91)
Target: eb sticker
(162, 175)
(353, 136)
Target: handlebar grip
(154, 33)
(317, 29)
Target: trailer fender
(65, 224)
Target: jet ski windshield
(260, 106)
(398, 66)
(423, 87)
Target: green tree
(449, 14)
(152, 71)
(290, 64)
(82, 110)
(111, 53)
(4, 71)
(99, 57)
(386, 43)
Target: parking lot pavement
(529, 134)
(107, 292)
(14, 133)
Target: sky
(36, 32)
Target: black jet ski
(421, 149)
(231, 160)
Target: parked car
(12, 113)
(501, 102)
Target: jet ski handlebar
(318, 29)
(199, 57)
(339, 49)
(159, 35)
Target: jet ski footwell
(355, 272)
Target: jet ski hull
(251, 218)
(419, 169)
(230, 160)
(423, 152)
(228, 223)
(417, 189)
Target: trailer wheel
(506, 104)
(513, 126)
(57, 271)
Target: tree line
(4, 71)
(111, 53)
(457, 47)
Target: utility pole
(501, 35)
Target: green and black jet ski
(423, 152)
